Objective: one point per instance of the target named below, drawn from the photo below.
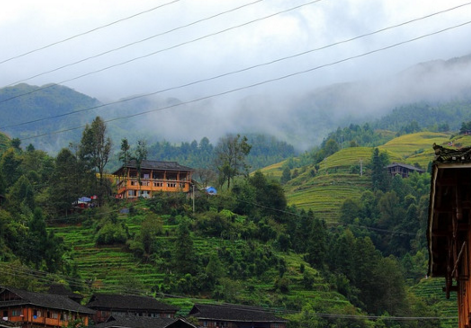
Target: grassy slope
(324, 193)
(107, 266)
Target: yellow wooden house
(152, 177)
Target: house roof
(407, 166)
(450, 192)
(231, 312)
(128, 302)
(9, 324)
(59, 289)
(58, 302)
(155, 165)
(144, 322)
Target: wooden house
(118, 306)
(402, 169)
(152, 177)
(235, 316)
(144, 322)
(28, 309)
(449, 229)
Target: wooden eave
(449, 214)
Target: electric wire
(276, 79)
(87, 32)
(136, 42)
(228, 11)
(224, 74)
(46, 278)
(163, 50)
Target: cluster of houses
(61, 308)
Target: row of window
(39, 314)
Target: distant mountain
(44, 107)
(302, 120)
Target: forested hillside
(334, 236)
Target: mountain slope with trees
(246, 245)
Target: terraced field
(274, 170)
(325, 194)
(431, 290)
(105, 264)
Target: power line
(227, 73)
(220, 14)
(48, 278)
(165, 49)
(88, 32)
(137, 42)
(257, 83)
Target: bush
(112, 234)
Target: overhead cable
(276, 79)
(136, 42)
(163, 50)
(224, 74)
(87, 32)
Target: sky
(224, 49)
(234, 40)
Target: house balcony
(151, 185)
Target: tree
(125, 154)
(379, 175)
(65, 181)
(231, 153)
(286, 176)
(140, 156)
(184, 252)
(10, 167)
(95, 149)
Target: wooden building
(119, 306)
(154, 177)
(144, 322)
(235, 316)
(449, 229)
(29, 310)
(402, 169)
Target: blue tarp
(84, 199)
(211, 190)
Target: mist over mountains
(300, 119)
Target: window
(171, 185)
(15, 313)
(36, 314)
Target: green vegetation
(327, 232)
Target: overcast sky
(29, 25)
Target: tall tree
(140, 156)
(95, 148)
(184, 251)
(10, 167)
(65, 182)
(379, 175)
(231, 153)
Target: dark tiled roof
(446, 155)
(9, 324)
(229, 312)
(407, 166)
(58, 289)
(157, 165)
(128, 302)
(144, 322)
(58, 302)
